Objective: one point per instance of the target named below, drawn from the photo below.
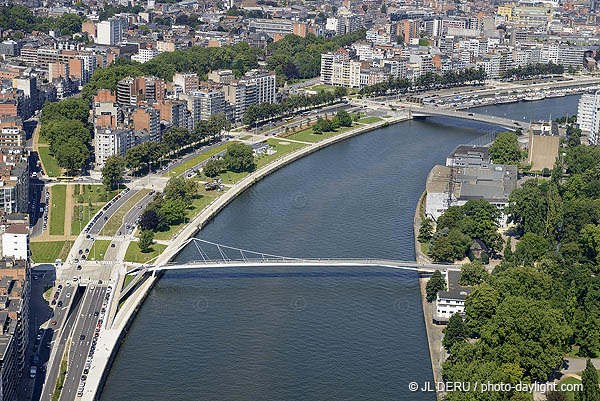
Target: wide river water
(302, 333)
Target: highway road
(59, 340)
(82, 339)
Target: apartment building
(14, 181)
(15, 292)
(147, 119)
(588, 115)
(188, 82)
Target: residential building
(110, 32)
(588, 115)
(15, 241)
(15, 292)
(110, 142)
(14, 181)
(187, 82)
(148, 119)
(452, 300)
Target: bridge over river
(228, 256)
(503, 122)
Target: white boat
(532, 98)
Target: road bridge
(503, 122)
(229, 256)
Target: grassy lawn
(281, 146)
(50, 164)
(369, 120)
(569, 380)
(46, 252)
(94, 193)
(57, 215)
(60, 381)
(195, 160)
(128, 277)
(425, 248)
(197, 205)
(134, 254)
(99, 249)
(114, 223)
(307, 135)
(329, 88)
(246, 137)
(81, 216)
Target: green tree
(450, 247)
(506, 149)
(530, 248)
(527, 208)
(180, 188)
(480, 306)
(72, 155)
(146, 241)
(426, 230)
(239, 157)
(149, 220)
(68, 24)
(344, 118)
(112, 172)
(173, 211)
(213, 167)
(435, 284)
(472, 273)
(67, 109)
(454, 332)
(529, 333)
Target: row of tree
(427, 81)
(532, 70)
(66, 128)
(268, 111)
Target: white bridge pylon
(219, 255)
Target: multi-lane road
(82, 340)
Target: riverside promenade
(110, 338)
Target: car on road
(96, 314)
(112, 245)
(82, 337)
(59, 304)
(53, 302)
(68, 294)
(53, 322)
(78, 267)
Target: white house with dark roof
(452, 300)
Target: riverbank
(437, 353)
(110, 339)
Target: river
(305, 333)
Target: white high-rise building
(110, 32)
(588, 115)
(145, 54)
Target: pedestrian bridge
(503, 122)
(213, 255)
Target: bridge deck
(396, 264)
(467, 115)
